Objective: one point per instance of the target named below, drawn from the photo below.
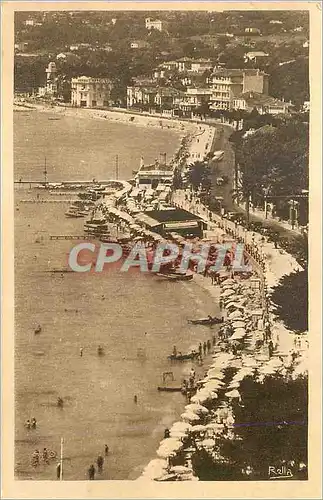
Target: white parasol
(236, 314)
(181, 426)
(190, 416)
(196, 408)
(198, 428)
(229, 281)
(227, 293)
(208, 443)
(233, 394)
(155, 468)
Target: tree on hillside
(273, 159)
(199, 175)
(271, 419)
(291, 81)
(290, 297)
(270, 430)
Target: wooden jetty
(33, 200)
(70, 237)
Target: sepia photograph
(161, 203)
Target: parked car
(218, 155)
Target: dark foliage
(291, 300)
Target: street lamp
(265, 191)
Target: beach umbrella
(168, 447)
(250, 362)
(190, 416)
(233, 394)
(214, 426)
(216, 372)
(208, 443)
(229, 287)
(268, 370)
(165, 453)
(235, 337)
(229, 281)
(181, 426)
(242, 373)
(203, 395)
(155, 468)
(214, 383)
(240, 331)
(234, 385)
(177, 434)
(227, 293)
(238, 324)
(198, 428)
(196, 408)
(235, 315)
(214, 377)
(237, 305)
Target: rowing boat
(176, 276)
(205, 321)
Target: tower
(51, 78)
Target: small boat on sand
(206, 321)
(183, 357)
(165, 388)
(74, 214)
(176, 276)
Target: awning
(149, 192)
(160, 187)
(148, 221)
(181, 225)
(134, 193)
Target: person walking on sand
(200, 349)
(91, 472)
(81, 351)
(208, 344)
(33, 423)
(58, 470)
(99, 462)
(135, 399)
(204, 348)
(106, 450)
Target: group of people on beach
(45, 456)
(99, 463)
(31, 424)
(100, 351)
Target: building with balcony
(255, 56)
(230, 83)
(141, 95)
(156, 24)
(155, 174)
(90, 92)
(139, 44)
(192, 99)
(252, 31)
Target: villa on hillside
(262, 103)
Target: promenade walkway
(277, 262)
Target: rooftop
(237, 72)
(168, 215)
(257, 99)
